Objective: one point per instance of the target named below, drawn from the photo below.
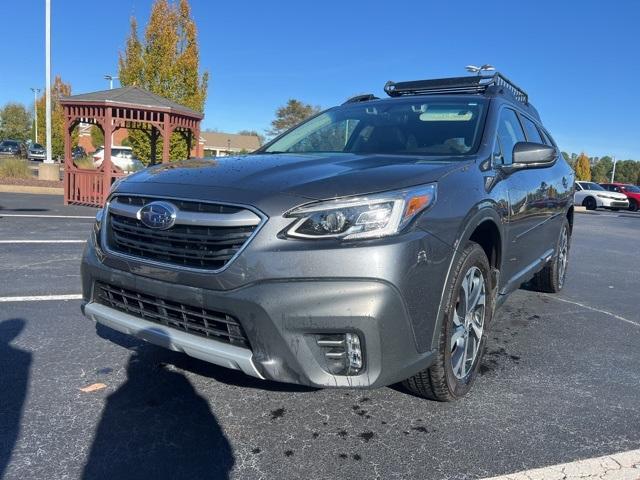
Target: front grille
(186, 245)
(188, 318)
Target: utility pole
(35, 91)
(613, 172)
(49, 159)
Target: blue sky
(578, 60)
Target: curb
(31, 189)
(580, 209)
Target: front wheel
(633, 205)
(590, 203)
(468, 311)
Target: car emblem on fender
(158, 215)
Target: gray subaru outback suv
(367, 246)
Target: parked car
(121, 157)
(632, 192)
(78, 152)
(36, 152)
(13, 148)
(367, 246)
(592, 196)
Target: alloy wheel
(468, 322)
(563, 256)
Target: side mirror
(533, 155)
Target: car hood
(317, 176)
(618, 195)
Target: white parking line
(40, 298)
(624, 465)
(594, 309)
(43, 241)
(45, 216)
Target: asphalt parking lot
(560, 381)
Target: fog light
(354, 353)
(343, 353)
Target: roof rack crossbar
(475, 84)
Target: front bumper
(217, 353)
(612, 203)
(282, 319)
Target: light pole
(111, 78)
(49, 159)
(613, 172)
(35, 91)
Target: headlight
(371, 216)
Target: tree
(15, 122)
(627, 171)
(97, 136)
(583, 168)
(253, 133)
(601, 171)
(167, 64)
(290, 115)
(58, 89)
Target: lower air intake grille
(191, 319)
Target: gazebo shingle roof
(133, 96)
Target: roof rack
(361, 98)
(475, 84)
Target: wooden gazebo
(110, 110)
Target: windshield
(631, 188)
(416, 127)
(37, 146)
(590, 186)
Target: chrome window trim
(164, 265)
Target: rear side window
(547, 139)
(533, 135)
(509, 133)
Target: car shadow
(15, 365)
(160, 356)
(157, 426)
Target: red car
(631, 191)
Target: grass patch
(15, 168)
(85, 162)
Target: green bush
(14, 168)
(85, 162)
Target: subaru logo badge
(158, 215)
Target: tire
(633, 205)
(551, 278)
(444, 381)
(590, 203)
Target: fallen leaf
(93, 387)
